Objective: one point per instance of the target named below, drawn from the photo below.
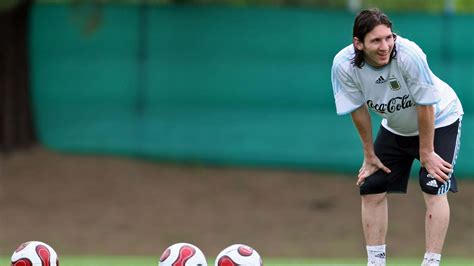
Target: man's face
(377, 46)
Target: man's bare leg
(436, 227)
(375, 223)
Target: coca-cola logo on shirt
(392, 106)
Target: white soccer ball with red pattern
(238, 254)
(34, 253)
(182, 254)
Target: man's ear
(358, 44)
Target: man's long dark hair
(366, 21)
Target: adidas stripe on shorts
(398, 153)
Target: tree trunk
(16, 122)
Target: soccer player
(421, 115)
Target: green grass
(153, 261)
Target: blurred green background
(235, 83)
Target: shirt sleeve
(418, 76)
(348, 97)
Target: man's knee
(374, 199)
(435, 200)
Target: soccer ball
(182, 254)
(238, 254)
(34, 253)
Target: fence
(217, 84)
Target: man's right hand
(370, 166)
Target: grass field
(153, 261)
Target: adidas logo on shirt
(432, 183)
(380, 80)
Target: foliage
(438, 6)
(421, 5)
(460, 6)
(465, 6)
(4, 4)
(406, 5)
